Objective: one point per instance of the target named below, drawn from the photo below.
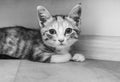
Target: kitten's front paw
(60, 58)
(78, 57)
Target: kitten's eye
(68, 30)
(52, 31)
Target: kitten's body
(50, 43)
(21, 42)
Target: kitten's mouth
(61, 44)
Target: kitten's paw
(78, 57)
(60, 58)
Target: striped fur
(23, 43)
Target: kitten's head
(59, 31)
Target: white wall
(99, 17)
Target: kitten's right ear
(43, 15)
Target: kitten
(50, 43)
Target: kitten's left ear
(75, 13)
(43, 15)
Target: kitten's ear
(75, 13)
(43, 15)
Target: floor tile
(8, 70)
(88, 71)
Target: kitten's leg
(78, 57)
(41, 57)
(51, 58)
(60, 58)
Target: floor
(88, 71)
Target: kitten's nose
(61, 40)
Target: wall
(99, 17)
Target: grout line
(14, 80)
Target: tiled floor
(8, 70)
(88, 71)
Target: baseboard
(99, 47)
